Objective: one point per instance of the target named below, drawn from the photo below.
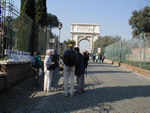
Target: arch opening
(84, 45)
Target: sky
(111, 15)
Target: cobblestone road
(109, 89)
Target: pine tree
(41, 12)
(25, 38)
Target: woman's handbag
(52, 66)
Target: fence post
(144, 39)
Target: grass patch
(144, 65)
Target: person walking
(94, 56)
(69, 59)
(48, 73)
(36, 64)
(97, 58)
(103, 57)
(79, 70)
(100, 57)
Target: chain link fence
(11, 20)
(135, 51)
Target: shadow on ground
(93, 65)
(58, 103)
(95, 97)
(94, 72)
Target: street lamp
(59, 27)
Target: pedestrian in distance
(48, 72)
(94, 56)
(79, 70)
(69, 59)
(36, 64)
(100, 57)
(103, 57)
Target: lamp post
(59, 27)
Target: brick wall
(16, 73)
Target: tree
(28, 8)
(52, 20)
(104, 41)
(41, 12)
(66, 42)
(140, 21)
(25, 37)
(32, 12)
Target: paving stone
(108, 89)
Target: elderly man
(48, 73)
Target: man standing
(69, 59)
(36, 65)
(79, 70)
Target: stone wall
(14, 74)
(138, 55)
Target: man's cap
(70, 45)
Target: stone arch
(81, 32)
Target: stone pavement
(109, 89)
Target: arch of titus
(89, 32)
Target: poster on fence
(99, 50)
(0, 10)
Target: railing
(135, 51)
(15, 25)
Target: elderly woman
(48, 73)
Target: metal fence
(135, 51)
(10, 22)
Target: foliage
(64, 45)
(66, 42)
(52, 20)
(140, 21)
(28, 7)
(41, 12)
(32, 12)
(102, 42)
(144, 65)
(25, 36)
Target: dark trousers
(35, 75)
(55, 77)
(80, 83)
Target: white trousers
(48, 80)
(69, 75)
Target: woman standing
(48, 73)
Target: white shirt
(47, 61)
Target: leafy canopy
(104, 41)
(52, 20)
(140, 21)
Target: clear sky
(111, 15)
